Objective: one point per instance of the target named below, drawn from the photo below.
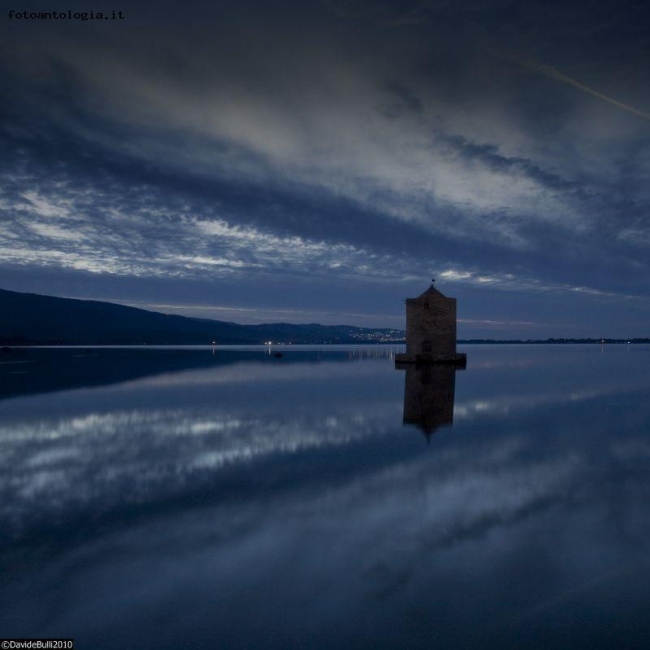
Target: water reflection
(179, 425)
(28, 371)
(429, 396)
(273, 503)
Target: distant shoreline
(54, 344)
(32, 320)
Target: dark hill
(31, 319)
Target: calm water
(185, 499)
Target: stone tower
(431, 330)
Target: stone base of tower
(459, 359)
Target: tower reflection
(429, 396)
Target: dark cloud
(351, 148)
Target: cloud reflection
(245, 498)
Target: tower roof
(431, 295)
(431, 292)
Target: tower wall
(431, 326)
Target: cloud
(331, 144)
(155, 236)
(312, 124)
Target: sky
(320, 161)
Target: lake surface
(198, 498)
